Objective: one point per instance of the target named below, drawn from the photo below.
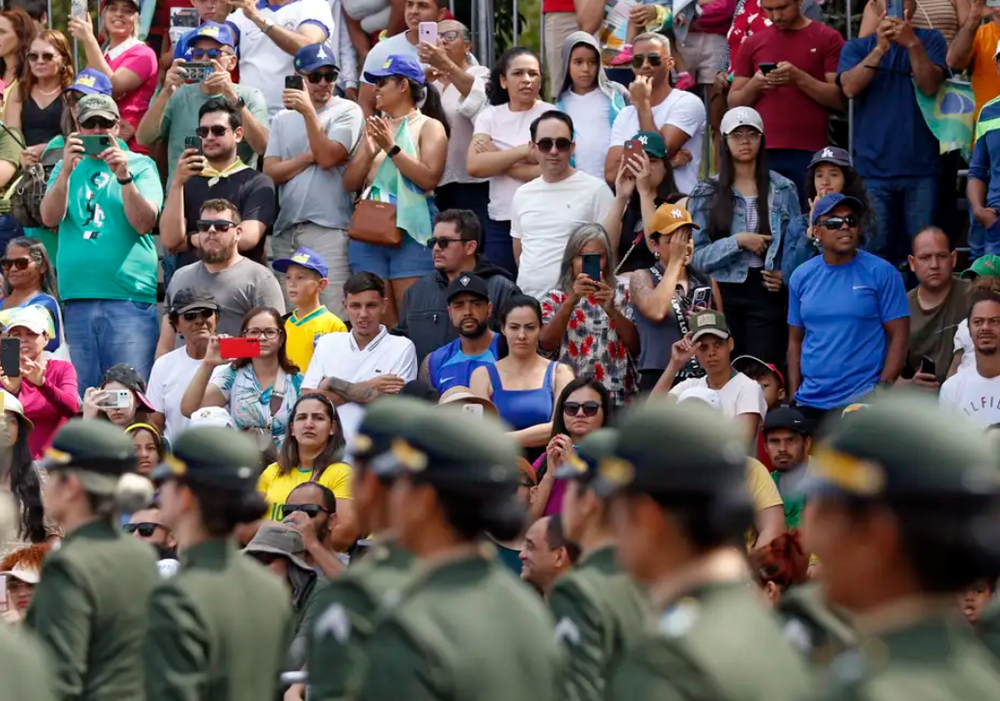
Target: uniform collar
(904, 613)
(98, 529)
(209, 554)
(603, 558)
(719, 567)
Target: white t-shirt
(682, 110)
(169, 378)
(508, 130)
(461, 111)
(543, 215)
(740, 395)
(263, 64)
(396, 45)
(338, 355)
(963, 342)
(592, 123)
(973, 395)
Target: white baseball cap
(742, 117)
(30, 576)
(701, 394)
(34, 317)
(212, 416)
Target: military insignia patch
(334, 622)
(680, 618)
(567, 632)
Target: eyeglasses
(203, 53)
(834, 223)
(220, 225)
(451, 35)
(751, 135)
(214, 130)
(270, 333)
(655, 60)
(46, 58)
(197, 314)
(19, 263)
(146, 530)
(589, 408)
(562, 144)
(98, 123)
(435, 242)
(328, 76)
(310, 510)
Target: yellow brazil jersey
(305, 332)
(276, 487)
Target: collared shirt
(250, 406)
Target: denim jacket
(724, 260)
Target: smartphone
(10, 357)
(766, 68)
(294, 82)
(592, 265)
(702, 297)
(474, 409)
(427, 31)
(94, 144)
(894, 9)
(927, 365)
(239, 347)
(195, 143)
(115, 399)
(78, 8)
(196, 71)
(633, 146)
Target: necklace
(48, 92)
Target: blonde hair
(104, 21)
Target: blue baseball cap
(304, 258)
(312, 57)
(403, 65)
(221, 33)
(91, 82)
(827, 203)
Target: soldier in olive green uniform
(24, 670)
(902, 511)
(344, 607)
(989, 627)
(90, 607)
(676, 478)
(463, 628)
(813, 626)
(220, 628)
(598, 610)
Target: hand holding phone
(94, 144)
(928, 366)
(230, 348)
(767, 67)
(427, 32)
(592, 265)
(10, 357)
(295, 82)
(702, 298)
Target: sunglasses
(328, 76)
(203, 53)
(198, 314)
(98, 123)
(562, 144)
(214, 130)
(835, 223)
(46, 58)
(146, 530)
(589, 408)
(19, 263)
(221, 225)
(434, 242)
(310, 510)
(655, 60)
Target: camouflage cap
(382, 421)
(663, 448)
(212, 456)
(902, 446)
(598, 445)
(91, 445)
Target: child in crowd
(305, 277)
(973, 600)
(772, 382)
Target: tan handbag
(375, 223)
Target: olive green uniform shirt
(91, 611)
(24, 670)
(598, 612)
(989, 627)
(219, 629)
(717, 643)
(813, 626)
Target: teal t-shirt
(100, 255)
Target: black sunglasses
(221, 225)
(46, 57)
(562, 144)
(19, 263)
(310, 510)
(655, 60)
(202, 53)
(98, 123)
(435, 242)
(589, 408)
(834, 223)
(198, 314)
(214, 130)
(328, 76)
(146, 530)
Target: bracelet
(125, 181)
(393, 152)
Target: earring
(656, 255)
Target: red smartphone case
(239, 347)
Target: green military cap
(599, 444)
(902, 446)
(92, 445)
(665, 448)
(213, 456)
(382, 420)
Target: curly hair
(27, 558)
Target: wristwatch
(391, 153)
(125, 181)
(240, 104)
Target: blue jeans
(982, 241)
(902, 207)
(499, 246)
(793, 164)
(104, 332)
(10, 229)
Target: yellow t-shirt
(305, 332)
(763, 492)
(276, 488)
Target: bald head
(933, 259)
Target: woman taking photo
(103, 401)
(149, 448)
(19, 478)
(589, 322)
(36, 106)
(523, 385)
(742, 215)
(259, 393)
(129, 63)
(17, 30)
(500, 150)
(401, 141)
(313, 452)
(28, 279)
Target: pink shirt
(50, 405)
(141, 60)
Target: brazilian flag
(950, 115)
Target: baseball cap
(742, 117)
(312, 57)
(13, 404)
(98, 447)
(668, 218)
(126, 375)
(467, 283)
(787, 418)
(652, 142)
(460, 394)
(34, 317)
(282, 540)
(831, 154)
(304, 258)
(706, 395)
(215, 31)
(29, 576)
(745, 362)
(212, 416)
(398, 64)
(988, 265)
(191, 298)
(708, 323)
(828, 202)
(96, 106)
(91, 82)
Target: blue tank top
(522, 408)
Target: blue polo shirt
(985, 164)
(842, 309)
(891, 138)
(449, 367)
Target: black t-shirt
(252, 192)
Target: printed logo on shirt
(861, 287)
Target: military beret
(213, 456)
(92, 445)
(589, 453)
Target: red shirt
(52, 404)
(557, 6)
(792, 119)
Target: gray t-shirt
(237, 290)
(298, 199)
(396, 45)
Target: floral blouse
(592, 346)
(249, 406)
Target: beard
(221, 256)
(989, 352)
(476, 332)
